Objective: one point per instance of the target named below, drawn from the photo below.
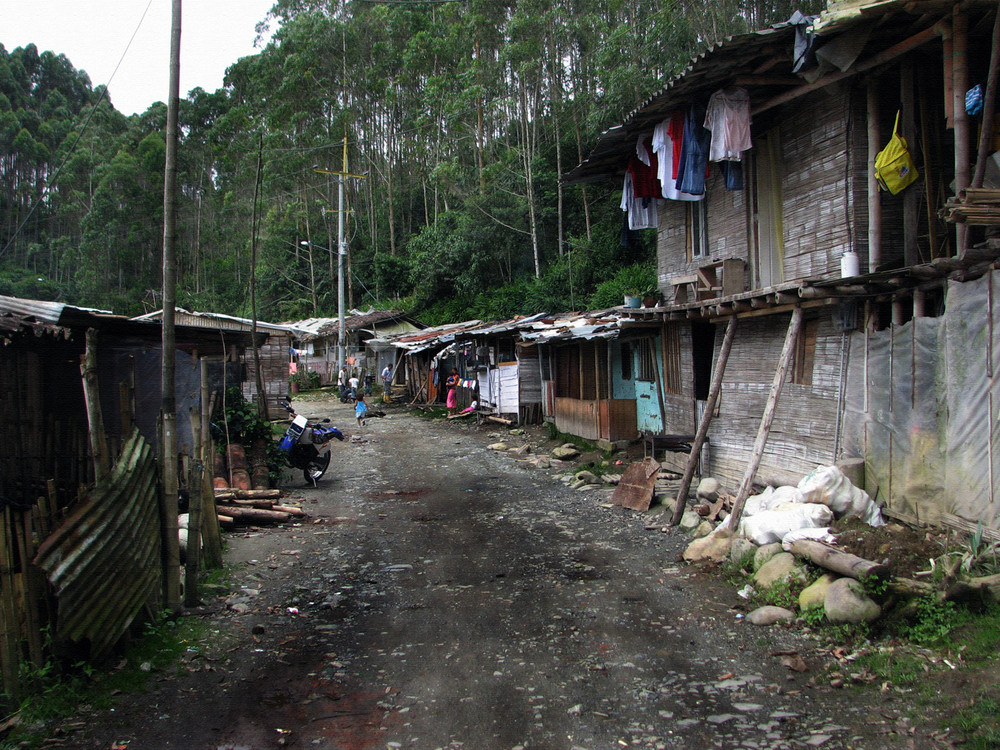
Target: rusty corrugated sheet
(103, 561)
(635, 490)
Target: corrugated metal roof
(218, 320)
(46, 312)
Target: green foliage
(306, 380)
(636, 280)
(933, 620)
(814, 616)
(56, 689)
(780, 594)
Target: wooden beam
(784, 362)
(706, 420)
(897, 50)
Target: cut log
(290, 509)
(254, 515)
(838, 561)
(225, 521)
(249, 494)
(232, 501)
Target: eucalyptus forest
(451, 119)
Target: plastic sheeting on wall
(921, 407)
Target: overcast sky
(94, 35)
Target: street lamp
(340, 299)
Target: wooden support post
(874, 199)
(706, 420)
(212, 547)
(192, 559)
(989, 106)
(95, 418)
(960, 67)
(787, 356)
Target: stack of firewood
(979, 206)
(253, 507)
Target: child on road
(360, 409)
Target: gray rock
(770, 615)
(764, 553)
(565, 452)
(690, 520)
(708, 489)
(846, 602)
(741, 549)
(782, 567)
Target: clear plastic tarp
(921, 407)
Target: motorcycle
(306, 444)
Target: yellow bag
(894, 168)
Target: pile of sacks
(785, 514)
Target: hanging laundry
(643, 169)
(732, 174)
(640, 212)
(675, 129)
(728, 117)
(663, 147)
(694, 153)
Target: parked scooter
(306, 444)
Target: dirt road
(442, 595)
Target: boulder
(741, 549)
(703, 529)
(566, 452)
(815, 594)
(770, 615)
(712, 547)
(708, 489)
(782, 567)
(846, 602)
(690, 520)
(542, 462)
(764, 553)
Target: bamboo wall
(803, 435)
(815, 183)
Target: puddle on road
(398, 494)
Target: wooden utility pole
(168, 402)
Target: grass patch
(57, 690)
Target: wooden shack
(824, 272)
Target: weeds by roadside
(55, 689)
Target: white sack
(821, 534)
(828, 485)
(772, 525)
(771, 498)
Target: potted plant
(633, 298)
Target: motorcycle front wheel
(316, 468)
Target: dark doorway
(702, 351)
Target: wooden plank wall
(803, 434)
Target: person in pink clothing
(452, 385)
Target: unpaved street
(442, 595)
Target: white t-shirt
(728, 117)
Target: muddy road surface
(442, 595)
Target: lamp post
(340, 293)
